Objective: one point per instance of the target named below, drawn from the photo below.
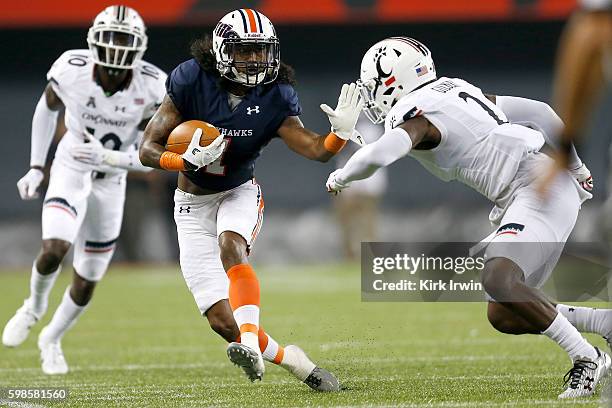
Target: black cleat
(322, 380)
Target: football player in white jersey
(108, 94)
(458, 133)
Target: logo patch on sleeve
(412, 113)
(511, 228)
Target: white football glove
(583, 175)
(92, 153)
(334, 185)
(28, 184)
(344, 117)
(200, 156)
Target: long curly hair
(201, 50)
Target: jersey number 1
(216, 167)
(465, 96)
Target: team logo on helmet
(225, 31)
(391, 69)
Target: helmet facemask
(376, 101)
(373, 111)
(249, 62)
(117, 49)
(117, 39)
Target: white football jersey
(479, 147)
(112, 119)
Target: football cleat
(51, 356)
(249, 360)
(297, 363)
(322, 380)
(582, 379)
(17, 329)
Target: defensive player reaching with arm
(457, 133)
(108, 94)
(238, 84)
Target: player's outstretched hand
(28, 184)
(92, 152)
(583, 175)
(200, 156)
(334, 185)
(344, 117)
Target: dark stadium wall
(503, 58)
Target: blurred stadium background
(505, 46)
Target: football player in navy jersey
(237, 83)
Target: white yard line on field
(364, 359)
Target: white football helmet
(246, 48)
(391, 69)
(117, 38)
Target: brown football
(181, 136)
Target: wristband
(171, 161)
(333, 143)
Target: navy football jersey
(247, 129)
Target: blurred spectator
(584, 59)
(356, 208)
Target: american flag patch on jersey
(421, 71)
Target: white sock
(297, 363)
(64, 318)
(588, 319)
(271, 351)
(40, 286)
(567, 336)
(248, 314)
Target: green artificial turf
(142, 343)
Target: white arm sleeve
(44, 122)
(128, 160)
(539, 116)
(392, 145)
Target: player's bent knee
(91, 268)
(52, 253)
(233, 249)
